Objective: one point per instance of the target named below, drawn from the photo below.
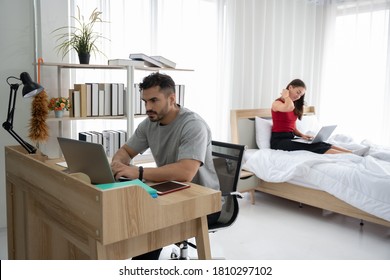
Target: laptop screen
(88, 158)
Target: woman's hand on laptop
(307, 137)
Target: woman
(285, 111)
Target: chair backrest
(227, 159)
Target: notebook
(88, 158)
(321, 136)
(108, 186)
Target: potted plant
(82, 37)
(58, 105)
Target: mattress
(363, 182)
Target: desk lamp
(30, 89)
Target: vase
(59, 114)
(84, 58)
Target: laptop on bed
(321, 136)
(86, 157)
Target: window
(184, 31)
(357, 72)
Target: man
(180, 142)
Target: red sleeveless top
(283, 121)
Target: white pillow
(308, 125)
(263, 133)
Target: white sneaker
(361, 152)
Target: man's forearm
(121, 156)
(183, 171)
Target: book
(147, 59)
(137, 182)
(89, 99)
(114, 99)
(76, 108)
(137, 100)
(126, 62)
(116, 140)
(101, 102)
(122, 137)
(104, 142)
(106, 87)
(181, 95)
(70, 95)
(177, 93)
(82, 88)
(109, 142)
(83, 136)
(94, 137)
(121, 99)
(95, 100)
(179, 90)
(166, 62)
(97, 136)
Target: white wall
(16, 56)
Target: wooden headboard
(242, 124)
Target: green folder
(137, 182)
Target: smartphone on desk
(169, 186)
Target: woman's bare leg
(340, 149)
(337, 151)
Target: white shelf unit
(129, 106)
(130, 91)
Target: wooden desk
(53, 215)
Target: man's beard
(154, 117)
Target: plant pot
(59, 114)
(84, 58)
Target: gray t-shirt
(186, 137)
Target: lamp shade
(30, 88)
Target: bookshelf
(128, 106)
(130, 68)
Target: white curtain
(356, 93)
(184, 31)
(244, 52)
(272, 43)
(269, 44)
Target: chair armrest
(237, 194)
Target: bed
(244, 128)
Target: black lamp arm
(29, 148)
(11, 104)
(8, 124)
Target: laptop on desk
(86, 157)
(321, 136)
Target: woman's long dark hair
(298, 104)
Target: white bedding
(363, 182)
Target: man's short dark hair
(165, 82)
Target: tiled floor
(277, 229)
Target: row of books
(97, 99)
(139, 107)
(111, 140)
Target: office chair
(227, 159)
